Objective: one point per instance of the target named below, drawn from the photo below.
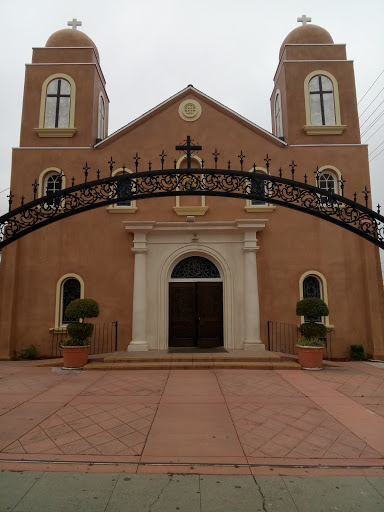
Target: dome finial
(74, 23)
(304, 19)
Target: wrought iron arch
(195, 267)
(289, 193)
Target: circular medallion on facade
(190, 110)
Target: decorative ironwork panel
(303, 197)
(195, 267)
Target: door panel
(182, 315)
(209, 314)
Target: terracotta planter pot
(310, 358)
(75, 357)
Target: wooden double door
(196, 314)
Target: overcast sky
(151, 49)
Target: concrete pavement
(109, 492)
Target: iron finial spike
(149, 165)
(175, 163)
(267, 160)
(86, 169)
(241, 156)
(162, 155)
(305, 178)
(10, 199)
(229, 165)
(22, 200)
(98, 174)
(378, 209)
(281, 172)
(202, 164)
(136, 159)
(73, 181)
(35, 186)
(355, 197)
(216, 154)
(111, 162)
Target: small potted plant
(76, 346)
(310, 346)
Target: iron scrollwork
(277, 190)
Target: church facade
(190, 271)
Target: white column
(139, 311)
(252, 339)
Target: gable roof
(165, 104)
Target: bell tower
(314, 97)
(65, 102)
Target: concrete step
(193, 365)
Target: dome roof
(307, 34)
(70, 38)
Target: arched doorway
(195, 304)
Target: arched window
(71, 290)
(328, 178)
(101, 119)
(52, 183)
(312, 284)
(278, 117)
(57, 104)
(69, 287)
(57, 107)
(322, 104)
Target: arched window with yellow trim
(69, 287)
(313, 284)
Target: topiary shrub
(80, 332)
(82, 308)
(312, 308)
(357, 353)
(313, 330)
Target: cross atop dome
(74, 23)
(304, 19)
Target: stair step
(183, 365)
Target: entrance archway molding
(231, 246)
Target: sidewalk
(62, 492)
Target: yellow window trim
(55, 132)
(324, 130)
(59, 284)
(311, 129)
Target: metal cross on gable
(304, 19)
(74, 23)
(189, 149)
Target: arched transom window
(322, 103)
(57, 104)
(195, 267)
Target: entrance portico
(230, 246)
